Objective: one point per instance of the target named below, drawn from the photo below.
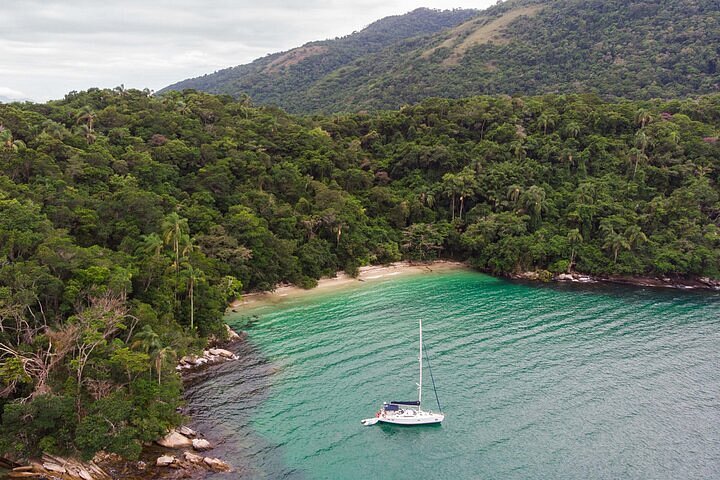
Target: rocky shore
(181, 453)
(682, 283)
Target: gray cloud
(50, 47)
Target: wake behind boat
(409, 413)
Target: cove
(536, 381)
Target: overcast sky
(50, 47)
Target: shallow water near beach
(536, 381)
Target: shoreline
(343, 280)
(676, 283)
(369, 273)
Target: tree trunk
(192, 304)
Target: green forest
(617, 49)
(129, 221)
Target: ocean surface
(536, 381)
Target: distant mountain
(614, 48)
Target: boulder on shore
(51, 467)
(221, 353)
(193, 458)
(201, 444)
(188, 360)
(165, 460)
(233, 336)
(216, 464)
(187, 431)
(175, 439)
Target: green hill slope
(285, 78)
(614, 48)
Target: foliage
(119, 250)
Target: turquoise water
(536, 381)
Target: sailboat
(409, 412)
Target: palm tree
(147, 340)
(192, 277)
(615, 242)
(518, 149)
(642, 141)
(568, 158)
(643, 117)
(513, 194)
(534, 203)
(546, 120)
(173, 228)
(151, 244)
(6, 139)
(467, 186)
(54, 129)
(639, 157)
(635, 236)
(427, 198)
(573, 129)
(574, 238)
(88, 133)
(86, 116)
(160, 357)
(451, 188)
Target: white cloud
(50, 47)
(12, 94)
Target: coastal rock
(187, 431)
(222, 353)
(165, 460)
(231, 334)
(193, 458)
(18, 474)
(174, 439)
(51, 467)
(188, 360)
(201, 444)
(574, 277)
(216, 464)
(85, 475)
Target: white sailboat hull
(408, 412)
(412, 417)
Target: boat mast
(421, 354)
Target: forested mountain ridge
(129, 221)
(615, 48)
(284, 78)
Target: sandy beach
(343, 280)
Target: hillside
(614, 48)
(285, 78)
